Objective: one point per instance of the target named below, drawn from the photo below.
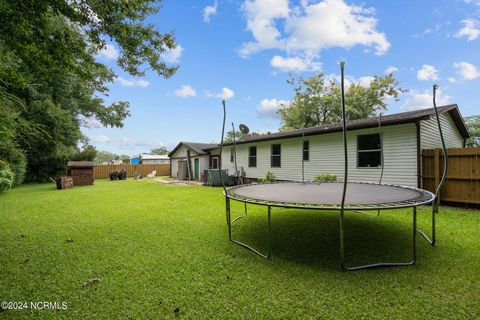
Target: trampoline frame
(353, 208)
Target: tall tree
(104, 156)
(317, 101)
(473, 124)
(49, 66)
(159, 151)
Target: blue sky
(244, 50)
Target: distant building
(154, 159)
(135, 160)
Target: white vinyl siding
(181, 155)
(430, 137)
(326, 156)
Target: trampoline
(345, 196)
(328, 195)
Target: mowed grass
(161, 251)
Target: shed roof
(81, 164)
(200, 148)
(390, 119)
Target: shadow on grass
(311, 237)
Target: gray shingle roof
(81, 164)
(390, 119)
(200, 148)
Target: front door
(197, 168)
(214, 162)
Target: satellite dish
(243, 128)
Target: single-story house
(154, 159)
(404, 135)
(189, 160)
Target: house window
(232, 154)
(275, 158)
(306, 150)
(369, 153)
(252, 156)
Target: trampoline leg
(242, 216)
(227, 210)
(423, 234)
(246, 246)
(379, 264)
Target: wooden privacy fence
(102, 171)
(463, 177)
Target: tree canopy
(473, 124)
(159, 151)
(51, 82)
(316, 100)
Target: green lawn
(161, 251)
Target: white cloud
(311, 27)
(423, 99)
(100, 138)
(269, 107)
(226, 94)
(296, 64)
(109, 52)
(90, 122)
(452, 80)
(133, 83)
(391, 69)
(185, 91)
(427, 31)
(467, 70)
(427, 72)
(261, 16)
(173, 55)
(209, 11)
(365, 81)
(470, 30)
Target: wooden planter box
(64, 182)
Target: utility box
(81, 172)
(212, 178)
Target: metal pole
(436, 202)
(345, 150)
(235, 153)
(221, 148)
(302, 153)
(444, 150)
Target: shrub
(269, 177)
(7, 177)
(15, 158)
(325, 177)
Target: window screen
(275, 159)
(368, 151)
(306, 150)
(252, 156)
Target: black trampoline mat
(330, 194)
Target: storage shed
(81, 172)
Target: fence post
(437, 168)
